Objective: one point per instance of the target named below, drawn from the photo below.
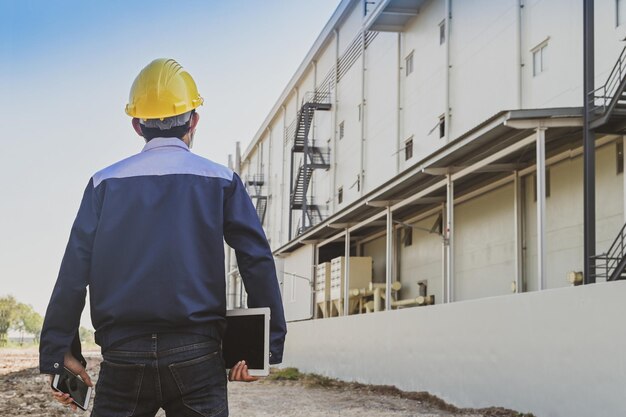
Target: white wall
(553, 353)
(296, 289)
(484, 245)
(422, 261)
(564, 216)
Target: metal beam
(589, 157)
(545, 123)
(494, 157)
(541, 208)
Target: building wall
(421, 261)
(522, 351)
(484, 245)
(482, 57)
(564, 216)
(380, 110)
(296, 276)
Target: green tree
(8, 307)
(27, 320)
(86, 335)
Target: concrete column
(389, 259)
(541, 208)
(346, 287)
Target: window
(340, 195)
(620, 12)
(407, 240)
(540, 58)
(442, 32)
(408, 64)
(619, 154)
(442, 126)
(547, 184)
(408, 149)
(341, 130)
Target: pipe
(334, 125)
(399, 103)
(448, 67)
(518, 52)
(362, 164)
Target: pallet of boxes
(330, 284)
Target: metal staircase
(257, 182)
(608, 102)
(611, 265)
(313, 158)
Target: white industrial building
(431, 151)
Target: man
(148, 241)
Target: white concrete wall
(564, 216)
(376, 249)
(484, 245)
(296, 276)
(381, 102)
(553, 353)
(422, 261)
(422, 96)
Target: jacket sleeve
(60, 328)
(244, 233)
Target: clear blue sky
(65, 70)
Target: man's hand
(239, 372)
(76, 368)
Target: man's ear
(195, 117)
(136, 126)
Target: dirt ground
(24, 392)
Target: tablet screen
(244, 339)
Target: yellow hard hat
(162, 89)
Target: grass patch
(286, 374)
(319, 381)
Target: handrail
(612, 257)
(609, 89)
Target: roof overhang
(393, 15)
(485, 154)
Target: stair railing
(607, 262)
(601, 97)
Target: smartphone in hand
(71, 384)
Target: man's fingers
(246, 375)
(237, 372)
(85, 377)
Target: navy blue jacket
(148, 240)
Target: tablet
(247, 337)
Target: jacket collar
(164, 142)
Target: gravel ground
(23, 391)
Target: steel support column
(449, 239)
(346, 285)
(517, 209)
(589, 158)
(541, 208)
(389, 259)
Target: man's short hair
(169, 127)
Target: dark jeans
(182, 373)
